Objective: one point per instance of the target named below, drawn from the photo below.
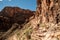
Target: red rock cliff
(10, 15)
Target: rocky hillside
(11, 15)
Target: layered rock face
(11, 15)
(48, 11)
(48, 18)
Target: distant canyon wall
(11, 15)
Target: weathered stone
(49, 11)
(11, 15)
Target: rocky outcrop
(47, 20)
(11, 15)
(48, 11)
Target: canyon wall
(48, 11)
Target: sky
(24, 4)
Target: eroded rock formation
(48, 18)
(48, 11)
(11, 15)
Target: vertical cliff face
(47, 14)
(48, 11)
